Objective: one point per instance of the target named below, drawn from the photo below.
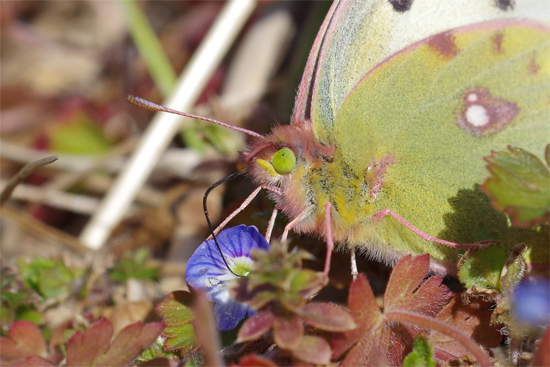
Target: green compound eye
(284, 161)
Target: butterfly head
(282, 158)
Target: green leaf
(177, 315)
(78, 136)
(482, 265)
(50, 278)
(134, 267)
(490, 273)
(519, 185)
(155, 351)
(30, 271)
(422, 354)
(55, 281)
(28, 313)
(179, 337)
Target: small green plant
(133, 265)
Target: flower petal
(206, 269)
(229, 314)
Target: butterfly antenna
(223, 180)
(140, 102)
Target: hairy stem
(436, 325)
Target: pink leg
(237, 211)
(270, 225)
(427, 237)
(291, 224)
(354, 271)
(328, 234)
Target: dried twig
(22, 175)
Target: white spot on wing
(477, 115)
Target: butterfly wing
(420, 97)
(359, 35)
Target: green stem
(433, 324)
(149, 47)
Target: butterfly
(398, 105)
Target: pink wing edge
(307, 87)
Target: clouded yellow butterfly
(399, 103)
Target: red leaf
(84, 348)
(375, 341)
(254, 360)
(255, 326)
(328, 317)
(542, 355)
(313, 349)
(34, 361)
(473, 319)
(366, 315)
(129, 343)
(406, 290)
(361, 297)
(25, 340)
(94, 347)
(288, 332)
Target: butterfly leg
(237, 211)
(292, 223)
(427, 237)
(328, 234)
(270, 225)
(354, 271)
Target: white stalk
(163, 126)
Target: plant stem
(434, 324)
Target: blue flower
(207, 271)
(532, 301)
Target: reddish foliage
(254, 360)
(542, 356)
(25, 341)
(34, 361)
(256, 326)
(474, 319)
(94, 347)
(328, 317)
(288, 332)
(375, 340)
(313, 349)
